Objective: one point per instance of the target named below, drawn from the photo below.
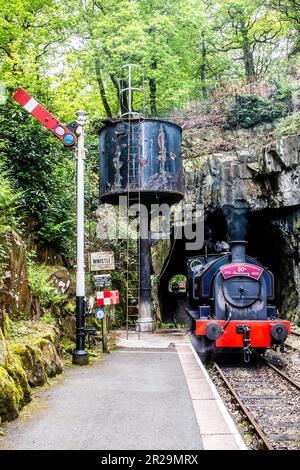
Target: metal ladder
(133, 246)
(132, 81)
(127, 90)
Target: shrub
(288, 125)
(249, 110)
(41, 286)
(9, 201)
(44, 172)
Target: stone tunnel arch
(270, 240)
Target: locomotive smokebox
(141, 157)
(238, 251)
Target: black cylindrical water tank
(152, 148)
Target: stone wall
(27, 359)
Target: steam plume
(237, 222)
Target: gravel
(273, 402)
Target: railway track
(269, 398)
(295, 333)
(293, 348)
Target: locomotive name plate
(241, 269)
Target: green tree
(44, 172)
(246, 29)
(160, 36)
(290, 13)
(28, 31)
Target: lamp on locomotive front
(140, 158)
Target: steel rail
(245, 410)
(290, 348)
(295, 333)
(283, 374)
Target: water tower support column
(146, 320)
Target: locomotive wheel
(203, 347)
(200, 344)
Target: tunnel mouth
(269, 239)
(172, 304)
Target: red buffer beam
(64, 134)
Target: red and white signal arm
(67, 137)
(108, 297)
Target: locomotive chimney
(238, 251)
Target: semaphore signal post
(68, 135)
(80, 355)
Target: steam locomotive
(230, 303)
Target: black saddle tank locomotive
(230, 303)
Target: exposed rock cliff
(260, 180)
(15, 293)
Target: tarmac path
(131, 399)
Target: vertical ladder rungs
(133, 260)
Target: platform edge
(228, 419)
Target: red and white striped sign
(64, 134)
(108, 297)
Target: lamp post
(80, 355)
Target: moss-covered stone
(18, 374)
(32, 362)
(50, 337)
(68, 320)
(50, 357)
(29, 347)
(10, 397)
(27, 358)
(68, 345)
(7, 327)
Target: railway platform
(215, 426)
(149, 394)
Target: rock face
(15, 293)
(261, 179)
(263, 183)
(29, 350)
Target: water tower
(140, 158)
